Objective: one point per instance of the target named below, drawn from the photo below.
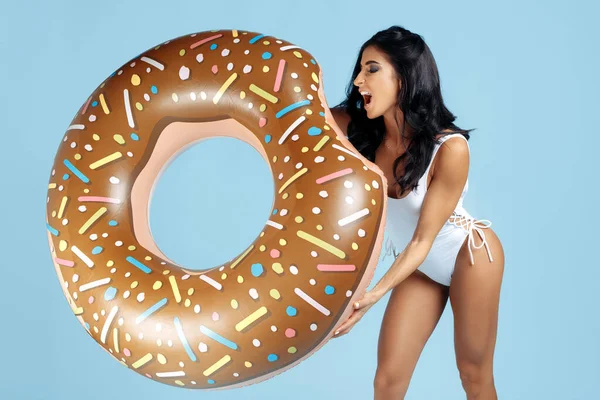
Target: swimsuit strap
(471, 224)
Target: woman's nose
(358, 81)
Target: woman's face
(378, 83)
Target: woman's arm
(447, 184)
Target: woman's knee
(388, 380)
(474, 374)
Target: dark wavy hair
(420, 99)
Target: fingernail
(356, 305)
(337, 332)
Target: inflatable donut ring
(277, 302)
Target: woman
(395, 116)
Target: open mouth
(366, 98)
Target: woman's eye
(371, 70)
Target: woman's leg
(475, 297)
(413, 310)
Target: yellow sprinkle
(275, 294)
(134, 284)
(367, 187)
(240, 279)
(157, 285)
(111, 157)
(136, 80)
(139, 106)
(161, 359)
(175, 288)
(326, 127)
(234, 33)
(77, 156)
(166, 272)
(274, 160)
(292, 179)
(251, 318)
(299, 195)
(315, 77)
(304, 149)
(224, 87)
(53, 214)
(262, 93)
(299, 219)
(282, 242)
(190, 291)
(354, 246)
(224, 360)
(52, 186)
(119, 139)
(248, 364)
(298, 54)
(62, 245)
(309, 112)
(178, 382)
(61, 209)
(142, 361)
(292, 350)
(266, 42)
(322, 244)
(103, 104)
(187, 302)
(234, 304)
(297, 89)
(78, 310)
(277, 268)
(373, 202)
(285, 196)
(263, 107)
(131, 248)
(110, 263)
(262, 247)
(116, 339)
(175, 97)
(147, 258)
(223, 276)
(320, 227)
(321, 143)
(242, 95)
(182, 52)
(265, 69)
(86, 190)
(262, 234)
(95, 137)
(92, 219)
(128, 337)
(240, 258)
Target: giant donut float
(277, 302)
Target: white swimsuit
(401, 222)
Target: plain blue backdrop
(524, 74)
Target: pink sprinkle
(289, 332)
(127, 352)
(99, 199)
(262, 122)
(208, 39)
(91, 299)
(149, 376)
(215, 69)
(335, 175)
(279, 76)
(215, 316)
(66, 263)
(275, 253)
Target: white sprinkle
(253, 293)
(140, 297)
(316, 210)
(319, 159)
(348, 184)
(323, 194)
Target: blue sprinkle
(97, 250)
(52, 230)
(273, 357)
(77, 172)
(312, 60)
(218, 338)
(321, 113)
(267, 138)
(329, 289)
(134, 136)
(65, 177)
(257, 269)
(113, 223)
(291, 311)
(314, 131)
(154, 89)
(275, 211)
(213, 46)
(291, 107)
(138, 264)
(210, 382)
(110, 293)
(94, 104)
(266, 55)
(87, 326)
(256, 39)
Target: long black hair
(420, 99)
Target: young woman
(395, 116)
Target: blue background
(524, 75)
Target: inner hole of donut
(211, 202)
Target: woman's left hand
(360, 309)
